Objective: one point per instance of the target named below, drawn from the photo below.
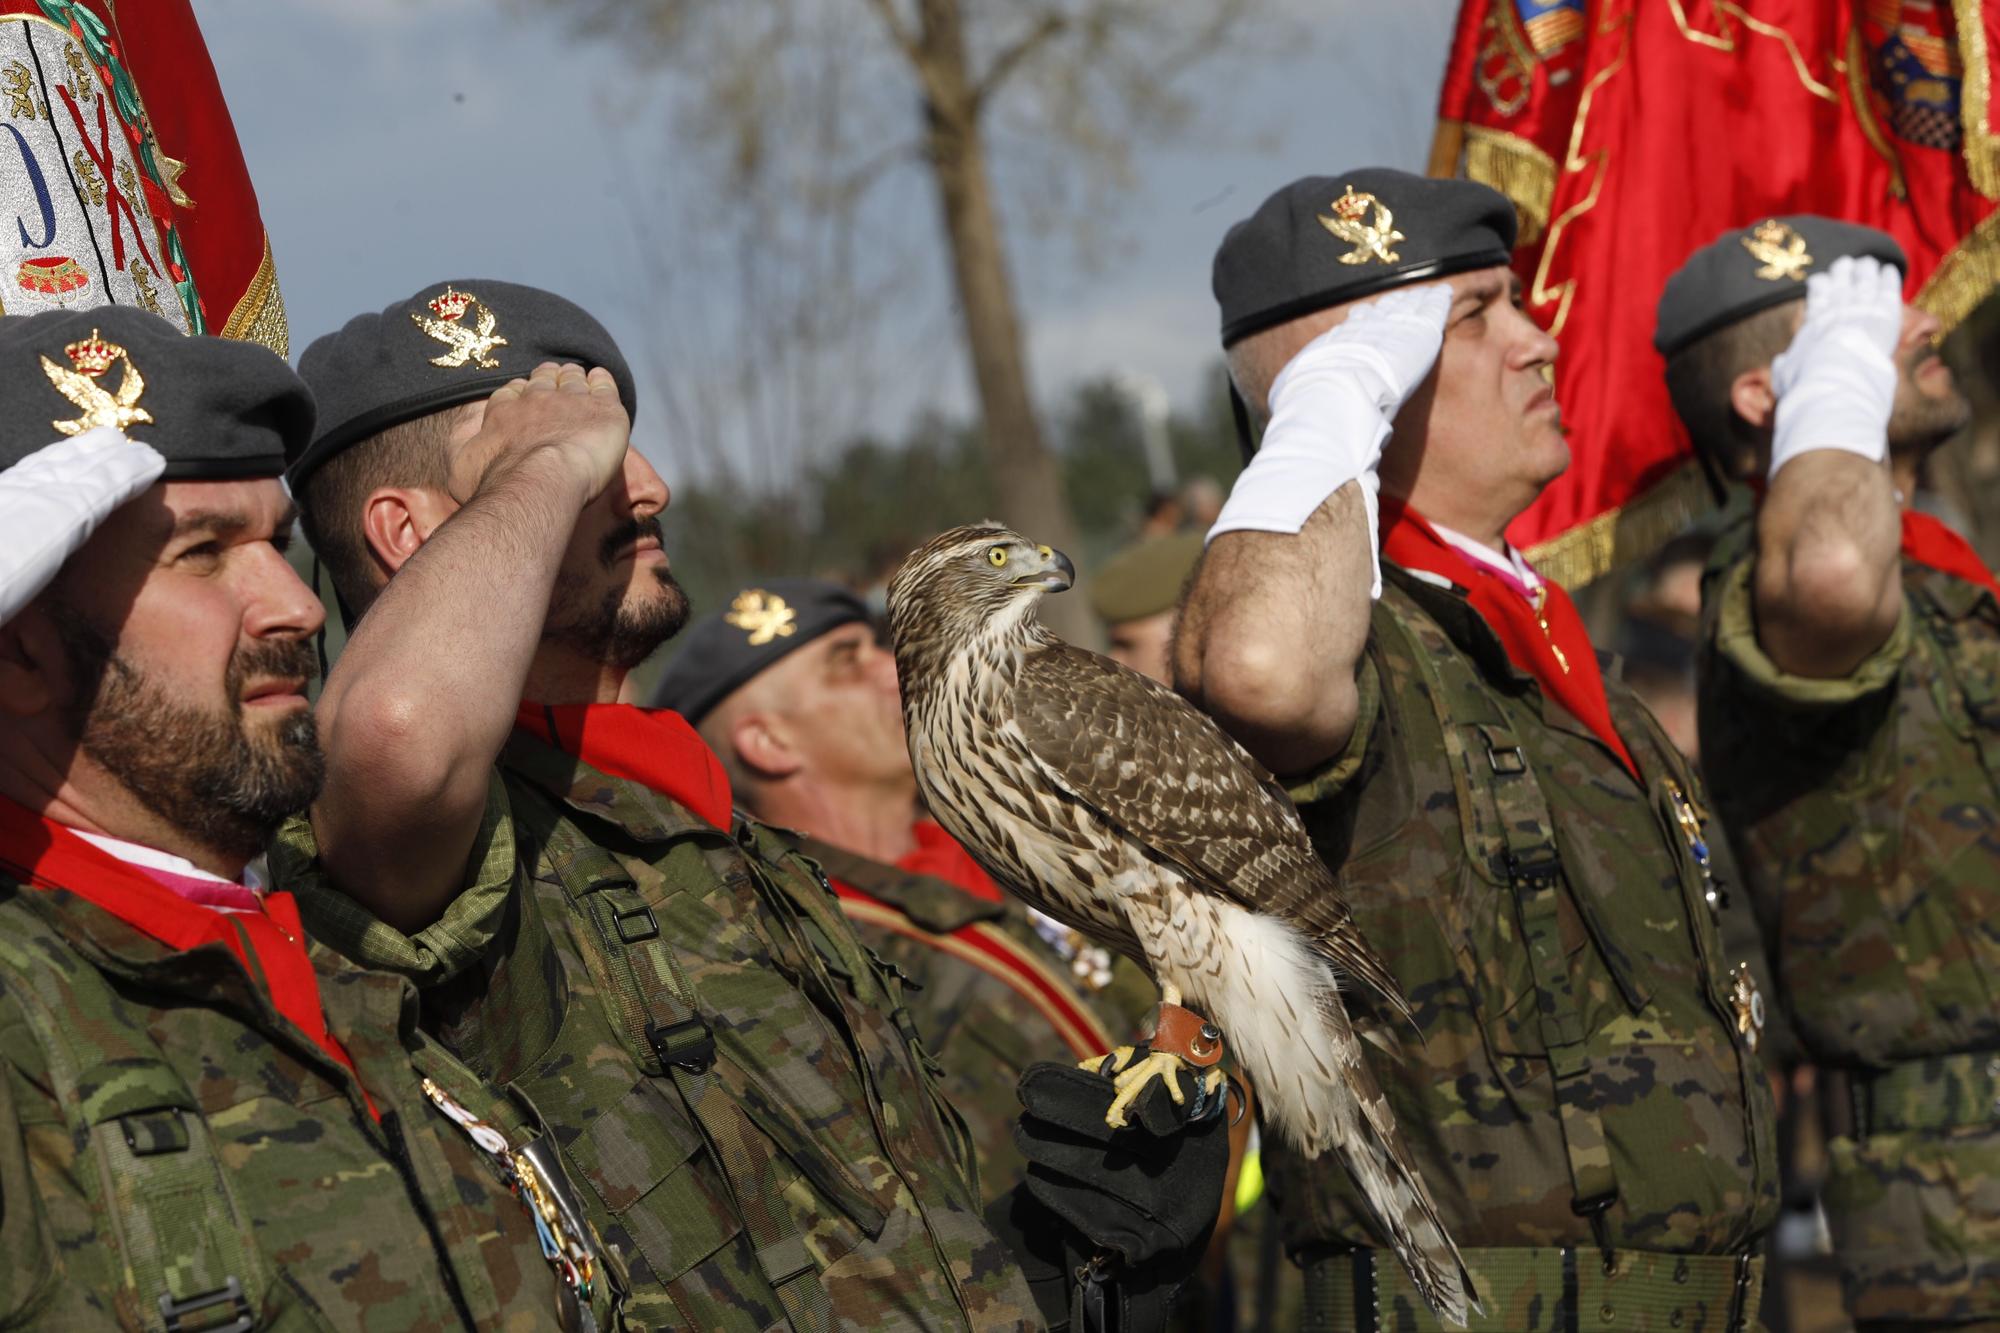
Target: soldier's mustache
(282, 659)
(621, 538)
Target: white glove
(1836, 383)
(1331, 410)
(52, 500)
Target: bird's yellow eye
(1047, 553)
(998, 555)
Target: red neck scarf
(650, 746)
(1551, 645)
(937, 854)
(1935, 546)
(270, 944)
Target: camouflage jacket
(1546, 916)
(1865, 812)
(990, 996)
(165, 1134)
(734, 1079)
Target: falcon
(1109, 802)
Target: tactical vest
(715, 1171)
(185, 1252)
(1585, 1105)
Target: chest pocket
(1530, 949)
(190, 1259)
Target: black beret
(452, 342)
(1754, 268)
(215, 408)
(762, 625)
(1324, 240)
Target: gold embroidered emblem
(1748, 1002)
(17, 85)
(1779, 251)
(91, 357)
(763, 615)
(1350, 223)
(474, 345)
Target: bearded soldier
(1516, 837)
(1850, 713)
(206, 1122)
(730, 1071)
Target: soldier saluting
(566, 878)
(1516, 836)
(206, 1121)
(1850, 712)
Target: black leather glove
(1110, 1222)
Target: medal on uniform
(1748, 1003)
(1689, 819)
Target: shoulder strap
(187, 1250)
(1487, 759)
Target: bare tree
(811, 104)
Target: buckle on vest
(651, 930)
(1506, 759)
(231, 1290)
(1537, 873)
(685, 1045)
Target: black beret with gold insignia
(1324, 240)
(762, 625)
(450, 343)
(1754, 268)
(216, 409)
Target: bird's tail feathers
(1281, 1015)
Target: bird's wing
(1345, 230)
(131, 386)
(1151, 763)
(449, 333)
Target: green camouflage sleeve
(1766, 682)
(441, 950)
(39, 1201)
(1332, 777)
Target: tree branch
(1051, 24)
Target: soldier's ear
(761, 742)
(33, 666)
(1752, 398)
(396, 521)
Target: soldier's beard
(1920, 421)
(608, 630)
(227, 785)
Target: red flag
(1628, 133)
(121, 181)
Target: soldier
(205, 1121)
(732, 1074)
(1135, 595)
(1849, 673)
(1518, 839)
(790, 688)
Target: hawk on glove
(1109, 802)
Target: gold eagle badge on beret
(1350, 223)
(467, 345)
(1779, 251)
(91, 357)
(764, 616)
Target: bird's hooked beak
(1050, 570)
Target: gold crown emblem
(1350, 223)
(93, 356)
(764, 616)
(450, 304)
(1351, 206)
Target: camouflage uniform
(166, 1135)
(1578, 1096)
(986, 1018)
(735, 1082)
(1866, 816)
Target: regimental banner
(108, 198)
(1629, 132)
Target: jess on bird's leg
(1180, 1038)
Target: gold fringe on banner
(1519, 170)
(260, 316)
(1982, 154)
(1632, 531)
(1967, 275)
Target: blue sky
(394, 144)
